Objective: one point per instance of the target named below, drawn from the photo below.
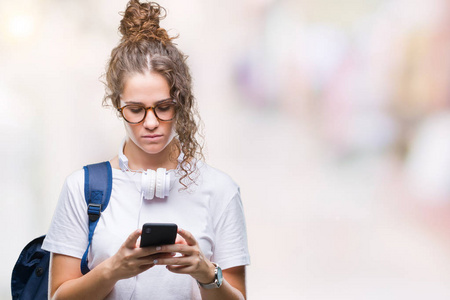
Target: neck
(138, 159)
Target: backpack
(29, 278)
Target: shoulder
(75, 179)
(215, 179)
(74, 185)
(218, 187)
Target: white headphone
(153, 183)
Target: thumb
(180, 240)
(130, 243)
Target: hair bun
(141, 21)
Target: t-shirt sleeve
(231, 249)
(68, 230)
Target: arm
(233, 286)
(67, 282)
(194, 263)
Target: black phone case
(155, 234)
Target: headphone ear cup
(155, 183)
(167, 185)
(148, 184)
(160, 182)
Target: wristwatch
(218, 279)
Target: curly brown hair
(147, 47)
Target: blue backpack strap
(97, 191)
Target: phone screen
(155, 234)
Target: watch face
(219, 276)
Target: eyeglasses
(136, 113)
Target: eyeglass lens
(136, 113)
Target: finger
(180, 240)
(167, 255)
(130, 243)
(178, 269)
(175, 261)
(150, 250)
(151, 258)
(145, 267)
(191, 241)
(178, 248)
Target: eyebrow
(140, 103)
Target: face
(151, 135)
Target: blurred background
(333, 117)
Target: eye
(164, 107)
(135, 109)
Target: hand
(131, 260)
(192, 261)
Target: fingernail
(158, 248)
(155, 261)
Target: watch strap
(217, 283)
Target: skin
(66, 280)
(144, 153)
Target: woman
(148, 82)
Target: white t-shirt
(211, 210)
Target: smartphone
(155, 234)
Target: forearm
(225, 292)
(96, 284)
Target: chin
(154, 148)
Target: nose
(151, 121)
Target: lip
(152, 136)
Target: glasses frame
(146, 109)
